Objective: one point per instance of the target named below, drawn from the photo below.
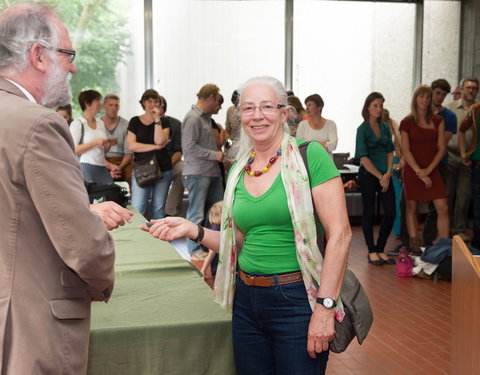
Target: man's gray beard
(57, 89)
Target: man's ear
(38, 58)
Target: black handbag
(98, 193)
(147, 171)
(358, 313)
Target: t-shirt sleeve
(405, 125)
(76, 131)
(361, 149)
(332, 136)
(320, 166)
(166, 124)
(451, 123)
(132, 125)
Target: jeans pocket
(292, 292)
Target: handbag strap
(320, 235)
(83, 132)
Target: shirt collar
(200, 112)
(23, 90)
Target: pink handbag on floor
(404, 264)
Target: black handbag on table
(147, 171)
(98, 193)
(358, 312)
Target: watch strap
(321, 302)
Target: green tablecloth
(161, 318)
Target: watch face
(328, 302)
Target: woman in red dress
(423, 145)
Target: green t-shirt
(376, 149)
(269, 244)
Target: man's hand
(219, 156)
(112, 214)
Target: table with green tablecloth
(161, 318)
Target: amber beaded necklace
(271, 161)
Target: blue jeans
(270, 329)
(476, 203)
(203, 192)
(157, 191)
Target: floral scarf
(297, 186)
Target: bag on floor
(404, 264)
(98, 193)
(358, 313)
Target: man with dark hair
(201, 173)
(440, 90)
(459, 173)
(119, 157)
(55, 254)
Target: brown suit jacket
(55, 254)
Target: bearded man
(56, 255)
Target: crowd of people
(428, 160)
(418, 161)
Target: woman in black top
(148, 134)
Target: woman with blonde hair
(423, 145)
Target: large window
(221, 42)
(343, 50)
(441, 41)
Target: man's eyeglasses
(71, 53)
(267, 108)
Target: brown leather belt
(266, 281)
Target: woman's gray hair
(21, 26)
(277, 86)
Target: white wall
(345, 50)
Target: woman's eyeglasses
(267, 108)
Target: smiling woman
(423, 146)
(147, 137)
(285, 296)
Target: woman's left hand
(384, 182)
(320, 331)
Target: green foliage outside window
(98, 33)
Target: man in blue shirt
(440, 88)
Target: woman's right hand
(385, 182)
(101, 141)
(172, 228)
(156, 113)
